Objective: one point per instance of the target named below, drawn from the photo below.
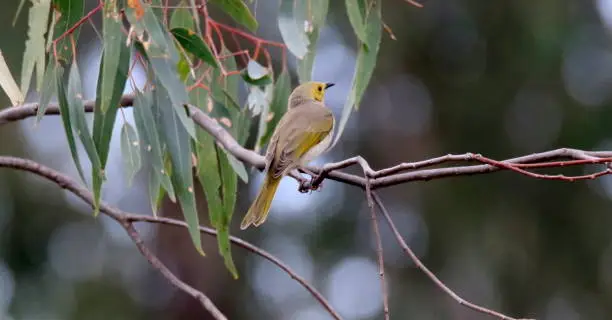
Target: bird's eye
(320, 88)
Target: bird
(303, 133)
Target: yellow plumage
(303, 133)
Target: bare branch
(126, 220)
(157, 264)
(428, 272)
(245, 245)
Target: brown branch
(399, 174)
(247, 246)
(126, 221)
(380, 179)
(428, 272)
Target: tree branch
(126, 221)
(428, 272)
(398, 174)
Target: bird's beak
(329, 85)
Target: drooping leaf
(356, 11)
(237, 166)
(130, 151)
(69, 12)
(104, 121)
(315, 12)
(293, 34)
(150, 142)
(34, 54)
(239, 11)
(256, 74)
(114, 43)
(66, 118)
(21, 3)
(366, 61)
(163, 58)
(178, 143)
(181, 17)
(256, 101)
(278, 107)
(8, 84)
(48, 89)
(229, 186)
(81, 129)
(261, 104)
(193, 43)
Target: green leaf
(114, 43)
(163, 57)
(192, 43)
(34, 54)
(150, 142)
(105, 121)
(278, 107)
(356, 11)
(239, 11)
(8, 84)
(366, 61)
(80, 127)
(259, 103)
(256, 101)
(130, 150)
(21, 3)
(66, 118)
(237, 166)
(181, 17)
(178, 142)
(69, 12)
(293, 34)
(229, 186)
(48, 89)
(318, 10)
(256, 74)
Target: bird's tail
(258, 212)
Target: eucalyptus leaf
(181, 17)
(150, 144)
(293, 34)
(80, 127)
(34, 54)
(278, 107)
(130, 151)
(366, 61)
(114, 44)
(194, 44)
(66, 118)
(48, 89)
(177, 140)
(69, 13)
(239, 11)
(8, 84)
(318, 12)
(356, 11)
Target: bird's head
(308, 91)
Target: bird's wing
(315, 123)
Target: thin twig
(428, 272)
(157, 264)
(126, 219)
(247, 246)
